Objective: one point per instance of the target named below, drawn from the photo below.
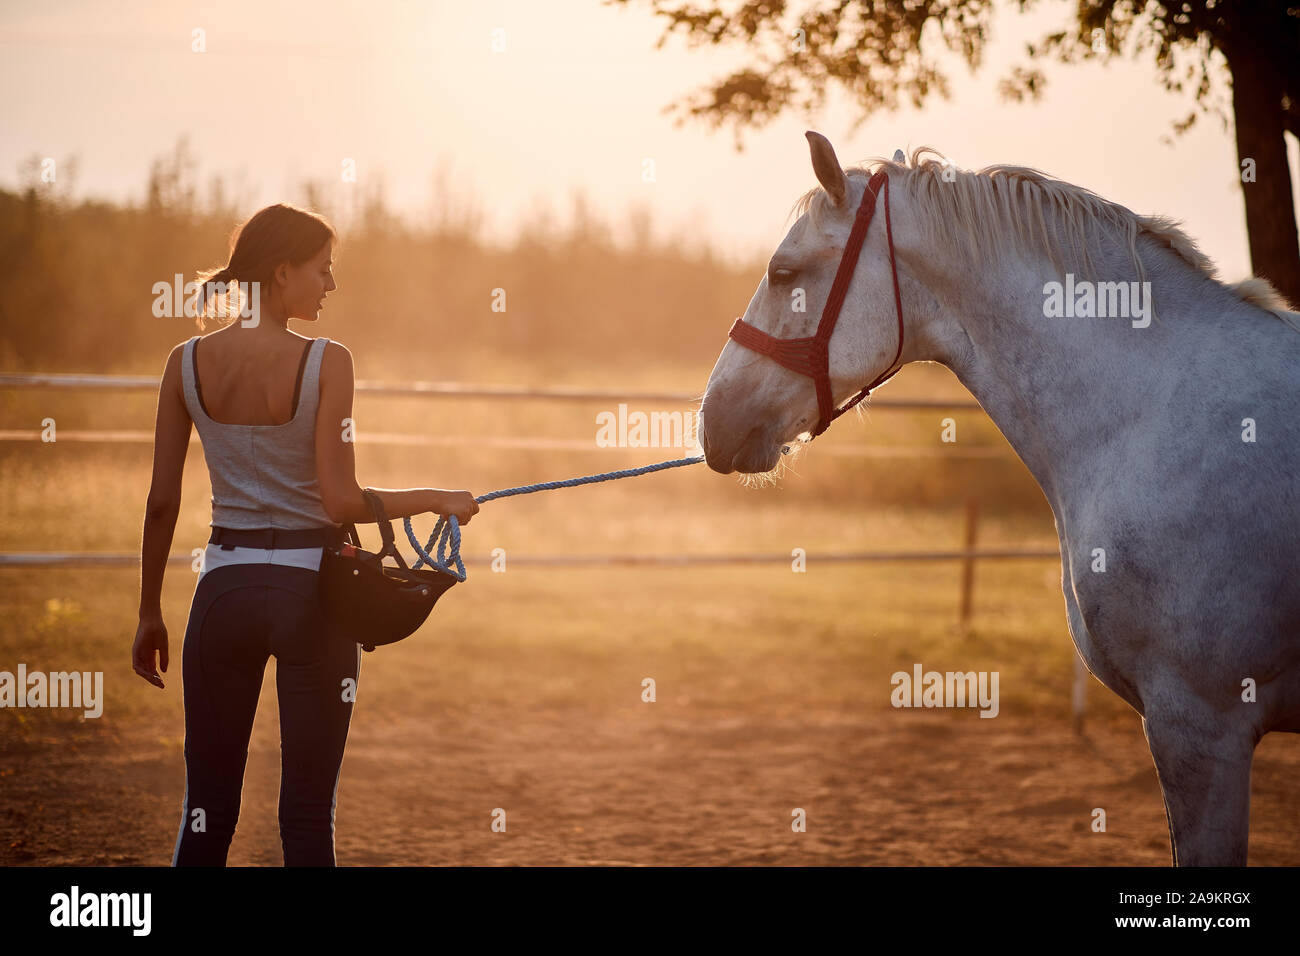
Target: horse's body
(1136, 435)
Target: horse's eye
(781, 275)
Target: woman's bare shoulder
(336, 363)
(338, 350)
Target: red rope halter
(810, 356)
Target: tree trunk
(1257, 94)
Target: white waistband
(215, 556)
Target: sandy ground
(648, 787)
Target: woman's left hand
(150, 638)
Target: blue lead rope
(450, 526)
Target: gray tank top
(263, 476)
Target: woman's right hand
(150, 648)
(458, 503)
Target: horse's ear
(827, 167)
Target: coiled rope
(447, 530)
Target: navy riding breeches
(241, 614)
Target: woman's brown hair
(276, 234)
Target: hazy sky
(286, 91)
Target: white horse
(1167, 443)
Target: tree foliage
(882, 52)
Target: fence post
(1079, 696)
(968, 563)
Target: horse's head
(753, 406)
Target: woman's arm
(340, 493)
(171, 443)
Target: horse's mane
(980, 213)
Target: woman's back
(259, 446)
(249, 378)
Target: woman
(283, 485)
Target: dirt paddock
(523, 693)
(656, 788)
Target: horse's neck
(1066, 391)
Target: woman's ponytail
(222, 275)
